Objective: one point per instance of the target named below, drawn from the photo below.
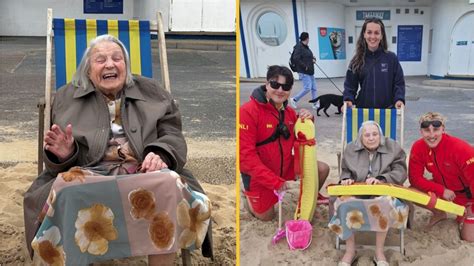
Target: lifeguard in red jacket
(450, 161)
(266, 142)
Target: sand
(18, 169)
(439, 246)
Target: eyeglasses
(434, 123)
(275, 85)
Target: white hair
(358, 141)
(81, 77)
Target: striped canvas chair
(71, 38)
(392, 123)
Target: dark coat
(381, 81)
(303, 59)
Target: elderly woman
(109, 122)
(371, 159)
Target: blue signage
(410, 39)
(103, 6)
(381, 14)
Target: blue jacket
(381, 81)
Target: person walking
(304, 60)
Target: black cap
(304, 36)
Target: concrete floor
(203, 82)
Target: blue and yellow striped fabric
(72, 36)
(386, 118)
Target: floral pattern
(48, 248)
(193, 220)
(73, 174)
(354, 219)
(50, 201)
(399, 216)
(94, 229)
(143, 203)
(373, 214)
(336, 227)
(161, 231)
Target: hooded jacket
(271, 164)
(381, 81)
(451, 164)
(303, 59)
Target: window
(271, 29)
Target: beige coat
(389, 161)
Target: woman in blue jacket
(376, 70)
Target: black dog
(326, 100)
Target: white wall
(28, 17)
(204, 15)
(329, 15)
(409, 68)
(311, 15)
(445, 15)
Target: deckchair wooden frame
(44, 104)
(401, 113)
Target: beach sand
(439, 246)
(18, 169)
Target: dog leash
(328, 78)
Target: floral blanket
(375, 214)
(90, 217)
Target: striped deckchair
(386, 118)
(388, 121)
(71, 38)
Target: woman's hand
(60, 143)
(152, 162)
(372, 181)
(348, 104)
(347, 182)
(448, 194)
(305, 114)
(399, 104)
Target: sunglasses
(434, 123)
(275, 85)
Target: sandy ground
(439, 246)
(18, 169)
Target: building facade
(430, 37)
(28, 17)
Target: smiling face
(373, 35)
(278, 96)
(432, 135)
(371, 137)
(107, 68)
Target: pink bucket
(298, 234)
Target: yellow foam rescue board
(397, 192)
(309, 169)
